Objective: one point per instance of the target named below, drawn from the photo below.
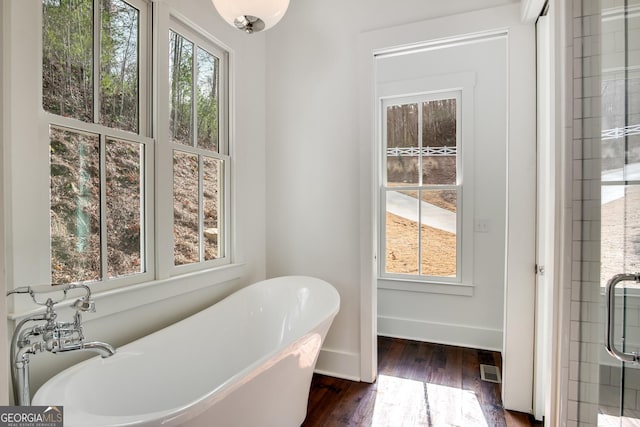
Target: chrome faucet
(55, 337)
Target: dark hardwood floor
(419, 384)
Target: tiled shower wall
(570, 402)
(585, 318)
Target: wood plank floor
(419, 384)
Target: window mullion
(194, 94)
(223, 104)
(420, 166)
(144, 194)
(419, 191)
(145, 89)
(97, 35)
(194, 114)
(459, 230)
(86, 127)
(201, 208)
(223, 224)
(103, 209)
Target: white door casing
(545, 221)
(519, 278)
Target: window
(96, 77)
(93, 87)
(421, 188)
(103, 160)
(198, 137)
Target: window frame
(419, 99)
(142, 137)
(199, 39)
(28, 169)
(157, 251)
(464, 82)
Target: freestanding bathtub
(245, 361)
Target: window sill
(120, 299)
(426, 287)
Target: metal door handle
(609, 332)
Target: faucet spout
(102, 348)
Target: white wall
(124, 316)
(313, 152)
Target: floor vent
(490, 373)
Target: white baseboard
(441, 333)
(339, 364)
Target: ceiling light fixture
(251, 16)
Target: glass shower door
(618, 118)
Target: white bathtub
(245, 361)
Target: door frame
(544, 218)
(554, 379)
(519, 272)
(547, 222)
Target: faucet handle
(40, 289)
(85, 304)
(36, 289)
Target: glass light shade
(251, 15)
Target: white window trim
(27, 129)
(200, 38)
(464, 84)
(384, 189)
(142, 137)
(165, 19)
